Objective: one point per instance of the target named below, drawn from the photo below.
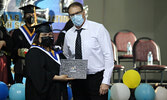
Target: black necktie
(78, 47)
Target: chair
(121, 40)
(140, 50)
(117, 68)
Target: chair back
(121, 39)
(141, 48)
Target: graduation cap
(29, 8)
(43, 27)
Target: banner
(12, 16)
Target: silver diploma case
(76, 69)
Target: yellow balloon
(131, 78)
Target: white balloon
(160, 93)
(120, 91)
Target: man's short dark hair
(75, 4)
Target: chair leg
(119, 61)
(119, 76)
(137, 69)
(124, 71)
(145, 77)
(162, 75)
(113, 76)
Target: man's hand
(103, 89)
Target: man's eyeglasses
(71, 15)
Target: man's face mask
(77, 20)
(47, 41)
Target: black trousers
(88, 89)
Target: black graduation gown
(19, 41)
(40, 70)
(6, 75)
(60, 39)
(6, 37)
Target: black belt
(100, 72)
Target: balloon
(144, 92)
(69, 92)
(160, 93)
(120, 91)
(17, 92)
(109, 94)
(3, 91)
(131, 78)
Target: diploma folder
(76, 69)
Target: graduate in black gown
(42, 67)
(5, 56)
(60, 42)
(60, 39)
(22, 40)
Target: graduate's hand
(22, 52)
(103, 89)
(62, 78)
(65, 78)
(2, 43)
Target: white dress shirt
(96, 48)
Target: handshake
(22, 52)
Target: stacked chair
(117, 68)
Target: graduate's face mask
(29, 18)
(46, 39)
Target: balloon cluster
(15, 92)
(143, 91)
(118, 91)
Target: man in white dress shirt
(96, 48)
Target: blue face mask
(77, 20)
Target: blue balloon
(69, 92)
(4, 92)
(109, 94)
(144, 92)
(17, 92)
